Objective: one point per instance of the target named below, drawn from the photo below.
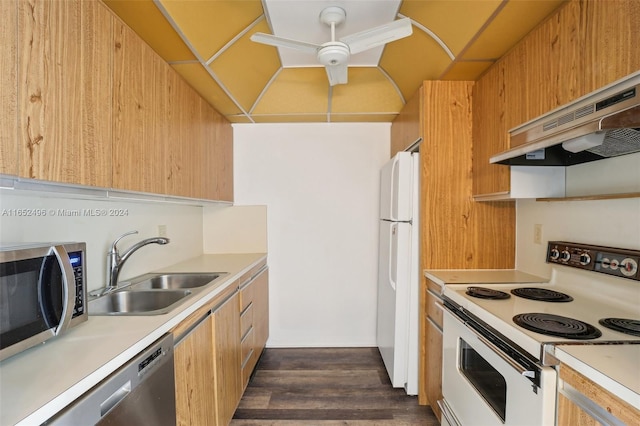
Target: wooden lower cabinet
(207, 363)
(254, 318)
(581, 402)
(193, 361)
(226, 360)
(433, 347)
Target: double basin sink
(152, 294)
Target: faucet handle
(113, 246)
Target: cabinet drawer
(433, 311)
(246, 320)
(247, 346)
(247, 295)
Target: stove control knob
(628, 267)
(554, 254)
(565, 256)
(585, 259)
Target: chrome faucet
(116, 260)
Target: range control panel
(607, 260)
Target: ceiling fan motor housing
(333, 53)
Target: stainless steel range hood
(602, 124)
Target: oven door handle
(516, 366)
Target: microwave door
(68, 296)
(30, 306)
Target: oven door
(37, 294)
(482, 385)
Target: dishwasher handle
(115, 398)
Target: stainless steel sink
(138, 302)
(175, 281)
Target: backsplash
(29, 217)
(612, 222)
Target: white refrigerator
(398, 270)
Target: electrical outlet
(537, 233)
(162, 230)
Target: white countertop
(613, 367)
(480, 276)
(39, 382)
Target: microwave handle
(68, 285)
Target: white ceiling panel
(300, 20)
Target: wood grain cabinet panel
(576, 391)
(64, 91)
(140, 114)
(254, 302)
(194, 374)
(227, 353)
(8, 87)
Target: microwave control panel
(607, 260)
(78, 273)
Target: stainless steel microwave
(42, 293)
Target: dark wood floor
(326, 386)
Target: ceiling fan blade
(337, 74)
(377, 36)
(276, 41)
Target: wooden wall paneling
(140, 111)
(64, 91)
(8, 87)
(406, 128)
(446, 174)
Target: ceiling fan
(334, 54)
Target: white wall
(613, 223)
(184, 229)
(320, 183)
(235, 229)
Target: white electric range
(498, 367)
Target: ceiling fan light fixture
(333, 53)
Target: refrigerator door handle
(393, 258)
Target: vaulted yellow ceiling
(207, 43)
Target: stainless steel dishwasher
(141, 392)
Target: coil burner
(487, 293)
(541, 294)
(623, 325)
(556, 325)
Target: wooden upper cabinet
(582, 47)
(167, 139)
(140, 111)
(64, 91)
(489, 133)
(406, 128)
(8, 88)
(219, 159)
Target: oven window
(486, 379)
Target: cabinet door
(195, 376)
(64, 91)
(261, 313)
(140, 113)
(227, 354)
(433, 369)
(8, 88)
